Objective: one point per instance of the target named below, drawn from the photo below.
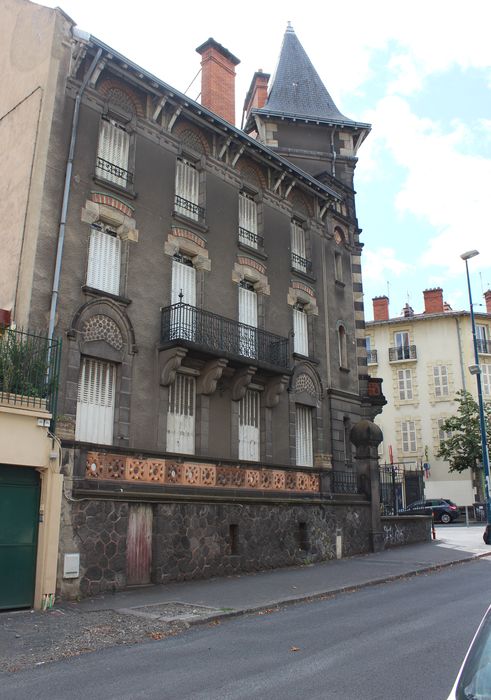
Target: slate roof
(297, 90)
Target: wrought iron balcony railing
(344, 482)
(404, 352)
(189, 209)
(483, 346)
(222, 336)
(301, 264)
(372, 357)
(113, 173)
(249, 238)
(29, 369)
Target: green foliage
(462, 448)
(24, 364)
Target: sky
(419, 72)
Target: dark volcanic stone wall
(192, 541)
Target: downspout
(66, 196)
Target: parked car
(443, 509)
(474, 678)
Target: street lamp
(476, 370)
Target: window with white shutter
(187, 189)
(405, 382)
(95, 402)
(303, 435)
(440, 379)
(104, 265)
(408, 433)
(181, 414)
(247, 319)
(113, 153)
(486, 378)
(299, 250)
(342, 347)
(249, 426)
(248, 220)
(183, 292)
(300, 330)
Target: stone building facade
(206, 282)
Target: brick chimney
(381, 308)
(257, 93)
(433, 300)
(218, 79)
(487, 297)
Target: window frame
(96, 274)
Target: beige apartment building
(423, 359)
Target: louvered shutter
(95, 402)
(104, 268)
(181, 415)
(300, 330)
(113, 149)
(249, 426)
(183, 321)
(303, 424)
(187, 187)
(248, 316)
(247, 220)
(298, 247)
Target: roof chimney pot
(433, 300)
(218, 79)
(380, 308)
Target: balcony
(372, 357)
(249, 238)
(29, 369)
(301, 264)
(404, 352)
(187, 208)
(215, 335)
(344, 482)
(483, 346)
(113, 173)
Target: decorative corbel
(279, 181)
(173, 119)
(169, 362)
(289, 188)
(241, 380)
(323, 211)
(224, 148)
(237, 156)
(209, 376)
(274, 388)
(160, 106)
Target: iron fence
(404, 352)
(29, 369)
(113, 172)
(301, 264)
(483, 346)
(400, 485)
(344, 482)
(222, 336)
(186, 207)
(249, 238)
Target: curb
(276, 606)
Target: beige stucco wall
(439, 340)
(34, 40)
(25, 443)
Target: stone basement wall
(400, 530)
(193, 541)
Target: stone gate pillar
(367, 436)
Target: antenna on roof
(289, 27)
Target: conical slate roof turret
(297, 90)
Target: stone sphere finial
(365, 433)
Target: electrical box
(71, 566)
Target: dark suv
(443, 509)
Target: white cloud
(382, 264)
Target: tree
(462, 448)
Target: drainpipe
(66, 196)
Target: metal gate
(19, 517)
(400, 485)
(139, 545)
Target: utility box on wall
(71, 566)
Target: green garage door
(19, 516)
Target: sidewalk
(153, 612)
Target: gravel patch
(33, 638)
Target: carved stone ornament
(274, 388)
(169, 363)
(209, 376)
(241, 380)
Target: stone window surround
(128, 121)
(79, 347)
(417, 428)
(306, 398)
(395, 387)
(431, 382)
(114, 213)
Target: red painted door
(139, 545)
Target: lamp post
(476, 369)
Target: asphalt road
(400, 640)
